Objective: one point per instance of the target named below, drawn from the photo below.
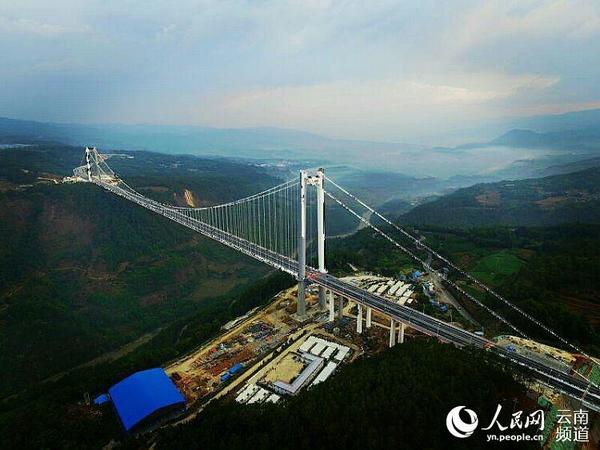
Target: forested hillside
(53, 415)
(93, 288)
(83, 272)
(551, 272)
(398, 399)
(567, 198)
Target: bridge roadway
(571, 385)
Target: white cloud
(356, 107)
(525, 20)
(382, 69)
(30, 26)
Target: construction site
(268, 353)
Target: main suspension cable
(419, 260)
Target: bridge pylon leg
(359, 319)
(320, 180)
(301, 307)
(392, 333)
(369, 319)
(401, 333)
(331, 300)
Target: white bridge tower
(317, 180)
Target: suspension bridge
(284, 227)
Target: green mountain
(550, 272)
(84, 273)
(572, 197)
(574, 166)
(398, 399)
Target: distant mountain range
(555, 139)
(553, 200)
(586, 139)
(254, 143)
(531, 146)
(576, 120)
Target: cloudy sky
(381, 70)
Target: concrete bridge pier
(331, 303)
(369, 320)
(322, 297)
(359, 320)
(401, 333)
(301, 307)
(341, 308)
(392, 333)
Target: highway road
(573, 385)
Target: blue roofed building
(144, 397)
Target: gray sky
(383, 70)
